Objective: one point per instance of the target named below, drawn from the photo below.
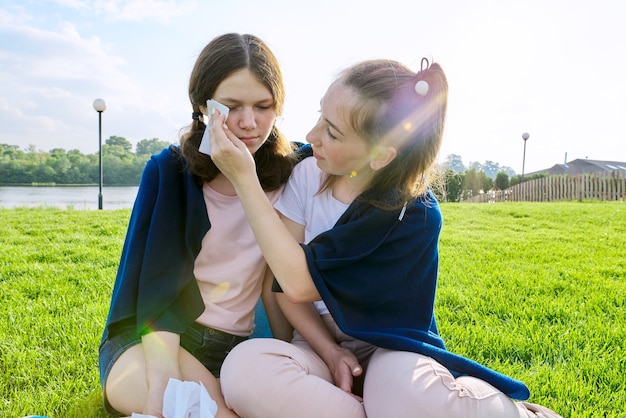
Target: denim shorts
(208, 345)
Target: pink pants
(265, 377)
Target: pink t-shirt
(230, 266)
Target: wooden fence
(610, 185)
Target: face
(337, 148)
(252, 110)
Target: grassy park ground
(534, 290)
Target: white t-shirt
(230, 266)
(300, 203)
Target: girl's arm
(161, 356)
(342, 363)
(279, 324)
(282, 252)
(162, 361)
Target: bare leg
(126, 388)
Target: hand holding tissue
(184, 399)
(205, 144)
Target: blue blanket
(377, 271)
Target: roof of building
(580, 166)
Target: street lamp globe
(99, 105)
(525, 135)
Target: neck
(222, 185)
(346, 188)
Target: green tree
(119, 141)
(81, 169)
(8, 151)
(502, 180)
(487, 182)
(475, 182)
(60, 164)
(44, 174)
(149, 147)
(453, 182)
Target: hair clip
(196, 115)
(421, 87)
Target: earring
(353, 174)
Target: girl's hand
(161, 353)
(228, 153)
(344, 365)
(154, 403)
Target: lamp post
(525, 137)
(100, 106)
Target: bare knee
(125, 388)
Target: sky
(555, 69)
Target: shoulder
(303, 184)
(303, 150)
(169, 159)
(308, 164)
(165, 169)
(308, 170)
(425, 210)
(167, 155)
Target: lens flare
(219, 291)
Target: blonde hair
(389, 112)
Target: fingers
(344, 382)
(343, 378)
(218, 128)
(221, 137)
(353, 364)
(347, 379)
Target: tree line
(122, 167)
(460, 182)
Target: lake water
(75, 197)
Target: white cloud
(553, 69)
(50, 79)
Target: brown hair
(223, 56)
(389, 112)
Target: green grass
(57, 269)
(534, 290)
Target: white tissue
(205, 144)
(185, 399)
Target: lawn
(534, 290)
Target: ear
(381, 156)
